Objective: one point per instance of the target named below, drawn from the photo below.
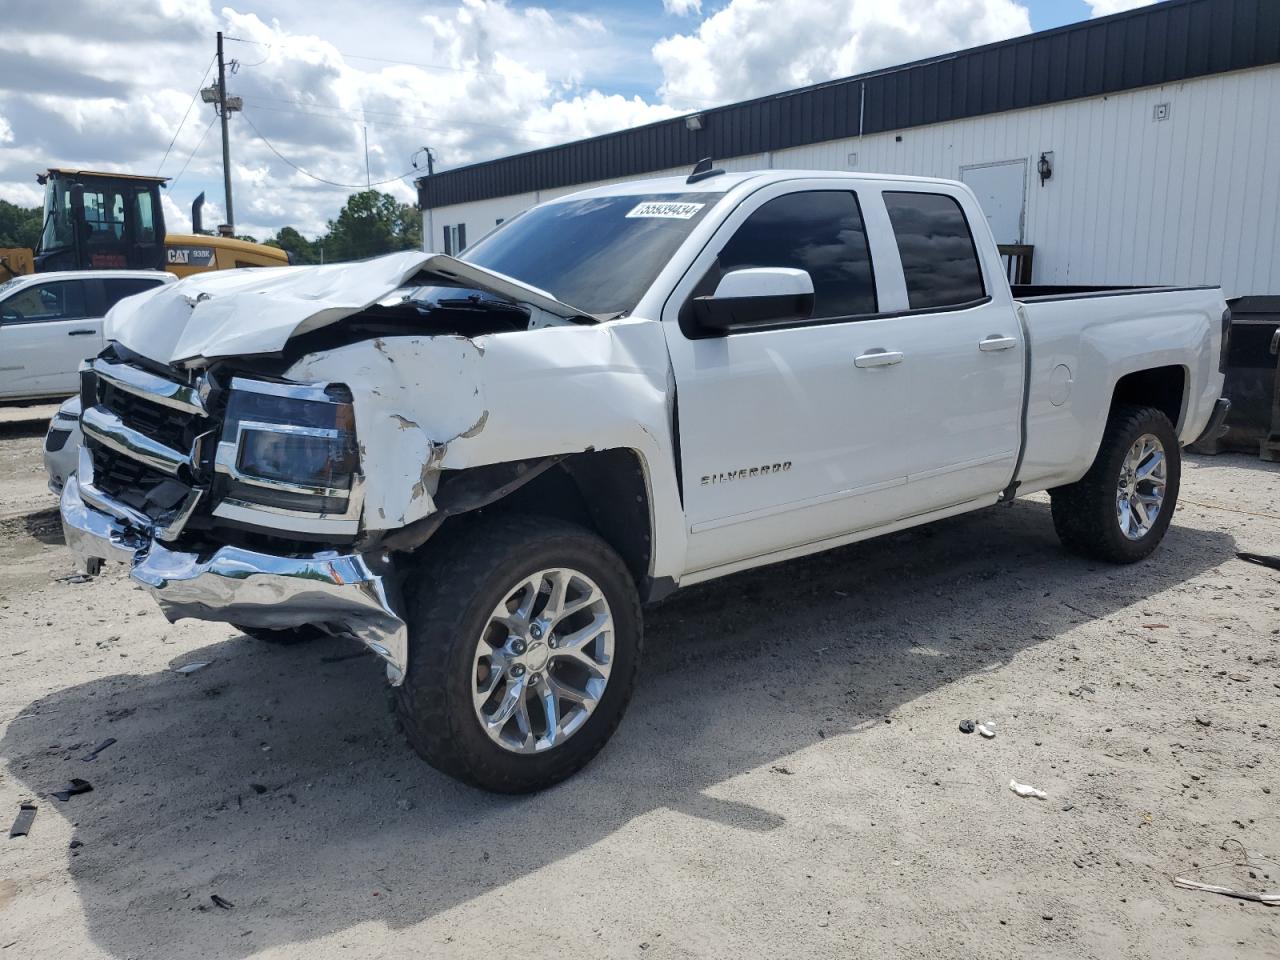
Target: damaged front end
(231, 498)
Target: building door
(1002, 194)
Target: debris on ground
(1262, 560)
(1270, 899)
(1026, 790)
(1203, 721)
(966, 726)
(1081, 690)
(987, 730)
(75, 844)
(92, 754)
(192, 667)
(779, 768)
(220, 902)
(75, 786)
(1241, 861)
(22, 825)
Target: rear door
(46, 330)
(963, 348)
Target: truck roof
(724, 182)
(89, 274)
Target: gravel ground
(790, 780)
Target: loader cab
(101, 221)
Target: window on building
(819, 231)
(455, 239)
(939, 260)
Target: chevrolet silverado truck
(482, 467)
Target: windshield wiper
(479, 304)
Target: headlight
(289, 447)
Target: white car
(612, 395)
(51, 322)
(62, 444)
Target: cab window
(939, 260)
(819, 231)
(116, 289)
(57, 300)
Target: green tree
(291, 241)
(20, 226)
(372, 223)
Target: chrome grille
(143, 435)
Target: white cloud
(1104, 8)
(103, 84)
(752, 47)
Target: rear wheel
(1119, 510)
(524, 641)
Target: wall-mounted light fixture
(1045, 166)
(694, 122)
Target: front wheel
(524, 642)
(1119, 510)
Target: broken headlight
(289, 448)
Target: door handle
(878, 358)
(1275, 342)
(80, 333)
(996, 342)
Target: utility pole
(226, 142)
(368, 178)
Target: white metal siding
(1193, 199)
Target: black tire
(1084, 513)
(282, 638)
(449, 596)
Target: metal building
(1138, 148)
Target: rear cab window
(116, 289)
(939, 258)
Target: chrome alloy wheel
(1140, 491)
(543, 660)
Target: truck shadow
(275, 778)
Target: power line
(185, 114)
(203, 137)
(308, 173)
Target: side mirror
(756, 296)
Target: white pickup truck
(482, 467)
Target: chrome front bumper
(348, 594)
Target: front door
(789, 436)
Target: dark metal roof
(1169, 41)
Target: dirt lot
(789, 782)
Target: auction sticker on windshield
(663, 208)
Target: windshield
(57, 216)
(599, 255)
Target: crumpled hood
(243, 312)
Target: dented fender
(424, 404)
